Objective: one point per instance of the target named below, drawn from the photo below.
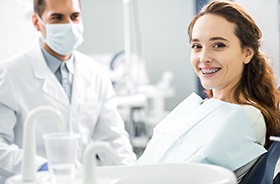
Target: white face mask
(64, 38)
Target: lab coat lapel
(79, 90)
(50, 85)
(81, 79)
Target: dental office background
(158, 43)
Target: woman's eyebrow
(211, 39)
(195, 40)
(218, 38)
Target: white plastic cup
(61, 149)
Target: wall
(161, 38)
(17, 31)
(267, 16)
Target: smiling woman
(245, 76)
(218, 60)
(232, 127)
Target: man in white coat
(33, 78)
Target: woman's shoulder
(253, 112)
(258, 122)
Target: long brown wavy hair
(257, 86)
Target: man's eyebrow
(56, 14)
(76, 13)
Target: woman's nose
(205, 56)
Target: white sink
(150, 174)
(167, 174)
(192, 173)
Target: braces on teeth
(209, 71)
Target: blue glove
(44, 167)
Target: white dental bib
(211, 131)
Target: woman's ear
(249, 53)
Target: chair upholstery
(263, 170)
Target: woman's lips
(209, 71)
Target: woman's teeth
(209, 71)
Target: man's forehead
(62, 6)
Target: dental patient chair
(263, 170)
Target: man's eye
(219, 45)
(56, 18)
(75, 17)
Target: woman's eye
(219, 45)
(196, 46)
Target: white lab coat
(212, 132)
(26, 82)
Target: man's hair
(39, 6)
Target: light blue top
(211, 131)
(54, 65)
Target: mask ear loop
(44, 24)
(39, 18)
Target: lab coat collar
(50, 85)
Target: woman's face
(216, 54)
